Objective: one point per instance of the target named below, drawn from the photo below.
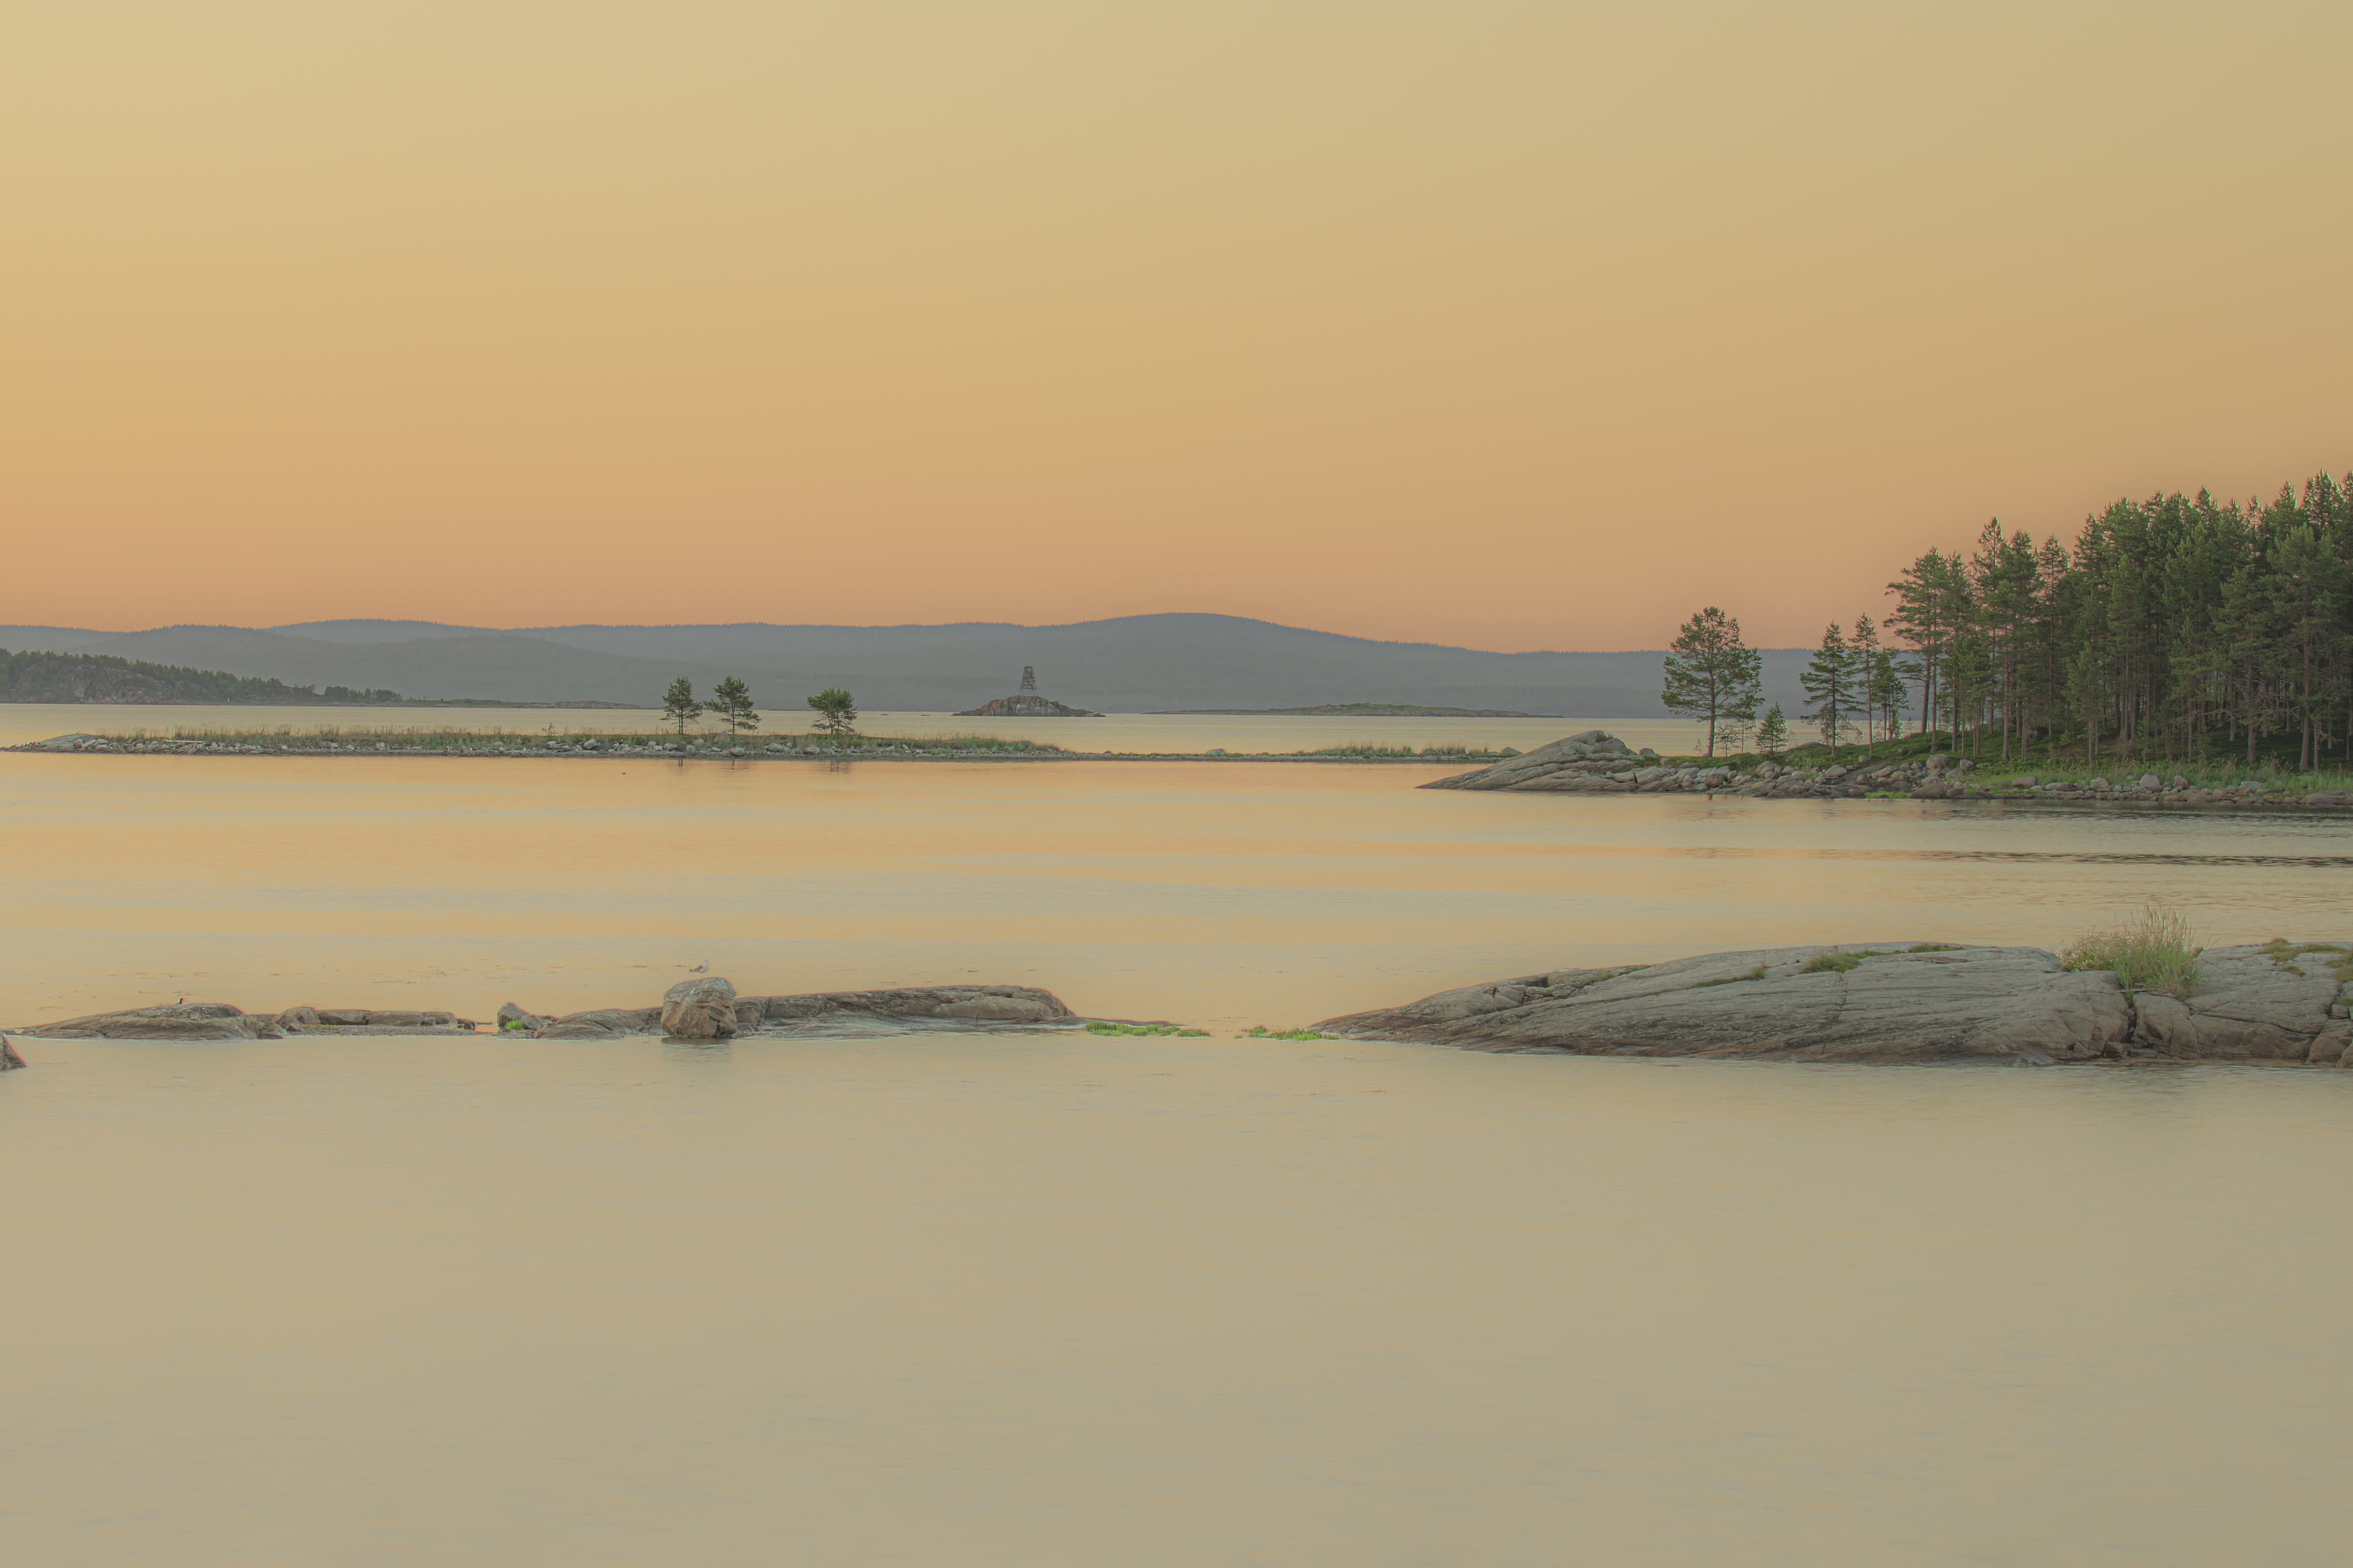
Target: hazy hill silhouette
(1130, 664)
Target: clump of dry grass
(2155, 951)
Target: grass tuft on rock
(2153, 952)
(1756, 973)
(1837, 963)
(1106, 1027)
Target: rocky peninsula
(1897, 1003)
(1595, 763)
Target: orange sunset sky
(1512, 325)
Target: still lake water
(1024, 1301)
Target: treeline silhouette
(108, 679)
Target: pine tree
(679, 703)
(1828, 680)
(1772, 732)
(1884, 691)
(836, 712)
(1712, 676)
(733, 698)
(1865, 652)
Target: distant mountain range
(1134, 664)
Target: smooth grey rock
(402, 1018)
(912, 1009)
(344, 1015)
(600, 1023)
(299, 1018)
(9, 1060)
(2248, 1008)
(172, 1021)
(1975, 1004)
(700, 1009)
(1544, 764)
(511, 1018)
(1936, 790)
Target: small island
(1025, 703)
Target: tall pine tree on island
(679, 703)
(836, 712)
(1712, 676)
(1863, 655)
(733, 698)
(1828, 680)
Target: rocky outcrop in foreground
(9, 1060)
(220, 1021)
(1592, 763)
(704, 1008)
(709, 1009)
(1597, 763)
(1892, 1003)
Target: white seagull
(700, 968)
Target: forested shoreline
(2178, 628)
(105, 677)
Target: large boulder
(512, 1019)
(2252, 1003)
(1881, 1002)
(700, 1009)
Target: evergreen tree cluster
(2178, 626)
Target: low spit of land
(327, 742)
(1589, 764)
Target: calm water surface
(1029, 1300)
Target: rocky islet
(704, 1008)
(1897, 1003)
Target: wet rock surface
(1883, 1003)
